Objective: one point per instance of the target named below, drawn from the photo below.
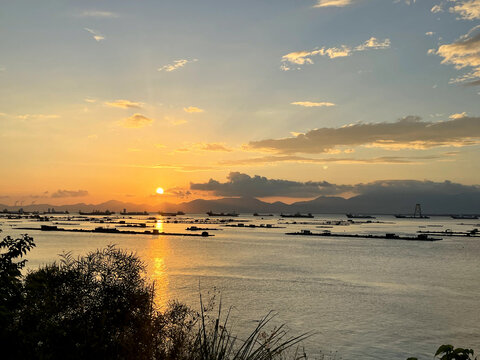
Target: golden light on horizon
(160, 191)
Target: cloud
(69, 193)
(185, 168)
(437, 8)
(125, 104)
(312, 104)
(204, 147)
(429, 33)
(177, 64)
(463, 53)
(392, 160)
(137, 121)
(214, 147)
(193, 109)
(406, 133)
(373, 43)
(90, 100)
(458, 116)
(468, 10)
(99, 14)
(305, 56)
(334, 3)
(37, 116)
(239, 184)
(174, 121)
(96, 35)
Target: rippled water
(365, 298)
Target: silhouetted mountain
(371, 203)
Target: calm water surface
(365, 298)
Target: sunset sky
(111, 99)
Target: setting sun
(160, 191)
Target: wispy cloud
(312, 104)
(467, 10)
(272, 159)
(175, 120)
(136, 121)
(214, 147)
(99, 14)
(458, 115)
(185, 168)
(204, 147)
(96, 35)
(69, 193)
(125, 104)
(463, 53)
(407, 133)
(437, 8)
(177, 64)
(37, 116)
(305, 57)
(193, 109)
(332, 3)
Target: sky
(110, 99)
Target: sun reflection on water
(159, 225)
(156, 254)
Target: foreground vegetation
(101, 306)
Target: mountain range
(371, 203)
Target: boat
(416, 215)
(211, 213)
(97, 212)
(125, 212)
(162, 213)
(257, 214)
(464, 217)
(358, 216)
(297, 215)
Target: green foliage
(10, 280)
(98, 305)
(448, 352)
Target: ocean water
(363, 298)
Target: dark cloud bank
(388, 196)
(409, 132)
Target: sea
(362, 298)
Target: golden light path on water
(158, 250)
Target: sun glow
(160, 191)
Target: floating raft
(389, 236)
(472, 233)
(103, 230)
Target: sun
(160, 191)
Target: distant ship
(416, 215)
(125, 212)
(358, 216)
(211, 213)
(52, 211)
(97, 212)
(297, 215)
(465, 217)
(162, 213)
(257, 214)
